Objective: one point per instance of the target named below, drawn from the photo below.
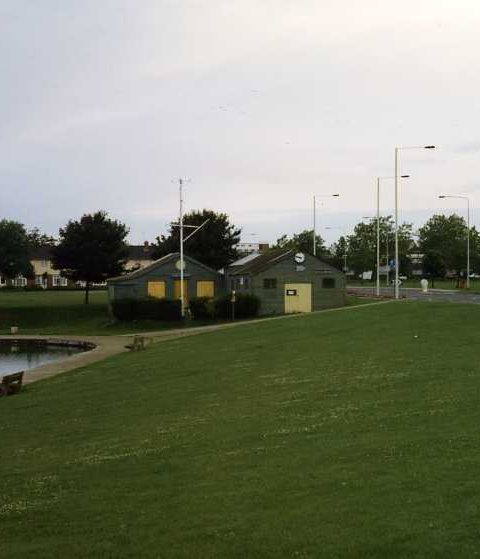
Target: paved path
(107, 346)
(454, 296)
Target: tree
(362, 244)
(443, 242)
(215, 244)
(91, 250)
(339, 254)
(38, 239)
(14, 250)
(303, 242)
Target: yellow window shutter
(176, 290)
(156, 289)
(205, 288)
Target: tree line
(94, 248)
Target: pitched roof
(156, 263)
(140, 252)
(41, 253)
(271, 257)
(135, 252)
(262, 262)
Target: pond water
(22, 355)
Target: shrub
(149, 308)
(124, 309)
(246, 306)
(160, 309)
(201, 307)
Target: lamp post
(314, 217)
(397, 165)
(378, 226)
(468, 230)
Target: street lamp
(468, 231)
(397, 263)
(314, 218)
(378, 226)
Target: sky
(258, 105)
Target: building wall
(137, 287)
(312, 271)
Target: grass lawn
(329, 435)
(63, 312)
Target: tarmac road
(417, 294)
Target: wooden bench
(11, 384)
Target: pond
(22, 355)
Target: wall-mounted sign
(300, 268)
(291, 292)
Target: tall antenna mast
(180, 221)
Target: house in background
(47, 277)
(139, 256)
(287, 281)
(161, 279)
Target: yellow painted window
(176, 290)
(156, 289)
(205, 288)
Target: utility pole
(180, 221)
(183, 239)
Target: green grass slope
(64, 313)
(329, 435)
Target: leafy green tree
(362, 245)
(215, 244)
(14, 250)
(38, 239)
(91, 249)
(303, 242)
(339, 254)
(443, 243)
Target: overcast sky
(260, 103)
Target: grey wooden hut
(287, 281)
(162, 279)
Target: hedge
(246, 306)
(149, 308)
(202, 308)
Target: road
(414, 293)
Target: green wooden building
(287, 281)
(162, 279)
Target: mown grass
(64, 312)
(343, 434)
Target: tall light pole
(378, 226)
(397, 165)
(315, 218)
(468, 231)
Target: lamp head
(429, 147)
(442, 196)
(336, 195)
(404, 176)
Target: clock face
(299, 258)
(178, 265)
